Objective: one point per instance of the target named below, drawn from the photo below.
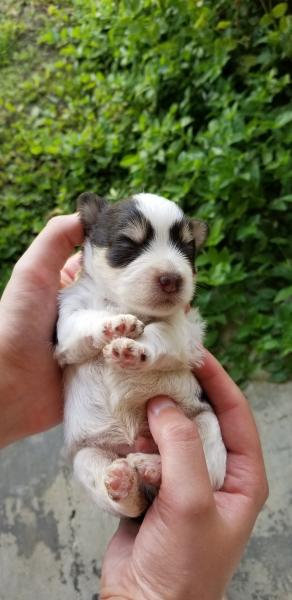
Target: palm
(28, 312)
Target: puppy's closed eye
(124, 250)
(126, 240)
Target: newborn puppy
(125, 334)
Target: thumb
(185, 477)
(47, 254)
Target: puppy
(125, 334)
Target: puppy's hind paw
(125, 353)
(148, 467)
(119, 479)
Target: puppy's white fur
(122, 344)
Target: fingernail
(161, 403)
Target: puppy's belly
(130, 390)
(107, 407)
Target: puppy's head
(143, 250)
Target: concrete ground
(52, 538)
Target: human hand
(31, 383)
(191, 538)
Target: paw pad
(125, 353)
(119, 479)
(148, 467)
(122, 325)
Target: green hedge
(191, 100)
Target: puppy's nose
(170, 282)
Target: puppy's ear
(89, 206)
(200, 231)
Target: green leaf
(284, 294)
(266, 19)
(283, 118)
(129, 160)
(185, 121)
(279, 10)
(223, 25)
(216, 234)
(189, 100)
(36, 149)
(286, 198)
(281, 203)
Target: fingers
(185, 481)
(236, 420)
(70, 269)
(47, 254)
(245, 464)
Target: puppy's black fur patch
(90, 206)
(122, 249)
(188, 249)
(105, 225)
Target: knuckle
(260, 492)
(17, 269)
(54, 221)
(264, 492)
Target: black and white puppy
(125, 334)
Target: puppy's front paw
(119, 479)
(125, 353)
(122, 325)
